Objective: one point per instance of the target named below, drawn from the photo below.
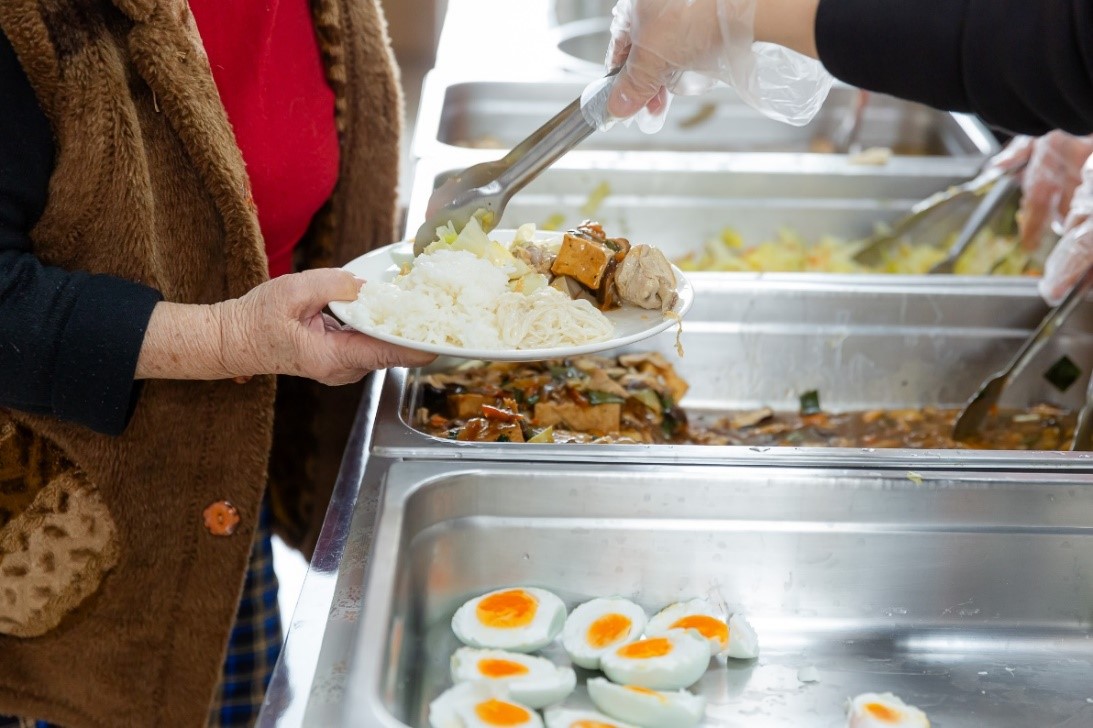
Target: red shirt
(266, 64)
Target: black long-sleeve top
(1025, 66)
(69, 341)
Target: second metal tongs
(485, 189)
(955, 203)
(977, 409)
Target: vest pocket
(57, 538)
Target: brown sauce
(632, 399)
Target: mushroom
(537, 257)
(645, 278)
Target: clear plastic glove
(1073, 255)
(686, 47)
(1048, 182)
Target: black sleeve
(69, 341)
(1022, 65)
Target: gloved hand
(1074, 254)
(1054, 170)
(686, 47)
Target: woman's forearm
(789, 23)
(183, 341)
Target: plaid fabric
(253, 647)
(255, 641)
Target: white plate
(632, 324)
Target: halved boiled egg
(519, 619)
(884, 710)
(736, 638)
(568, 718)
(596, 626)
(696, 614)
(674, 660)
(480, 705)
(533, 681)
(647, 708)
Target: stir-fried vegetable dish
(634, 399)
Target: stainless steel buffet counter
(987, 544)
(961, 580)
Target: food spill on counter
(633, 399)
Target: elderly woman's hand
(1047, 184)
(277, 328)
(688, 46)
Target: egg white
(743, 640)
(667, 618)
(575, 633)
(543, 684)
(905, 716)
(679, 709)
(544, 627)
(455, 707)
(567, 718)
(680, 668)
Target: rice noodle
(547, 319)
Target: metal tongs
(489, 186)
(1001, 193)
(970, 419)
(846, 136)
(930, 209)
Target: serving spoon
(485, 189)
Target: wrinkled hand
(688, 46)
(1073, 256)
(1048, 182)
(279, 328)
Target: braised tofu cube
(600, 419)
(586, 261)
(465, 406)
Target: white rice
(454, 298)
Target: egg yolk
(498, 712)
(646, 691)
(709, 627)
(507, 609)
(882, 712)
(590, 724)
(646, 649)
(608, 629)
(501, 668)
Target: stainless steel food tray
(654, 201)
(563, 12)
(462, 114)
(968, 594)
(754, 341)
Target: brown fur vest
(115, 599)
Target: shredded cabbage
(990, 253)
